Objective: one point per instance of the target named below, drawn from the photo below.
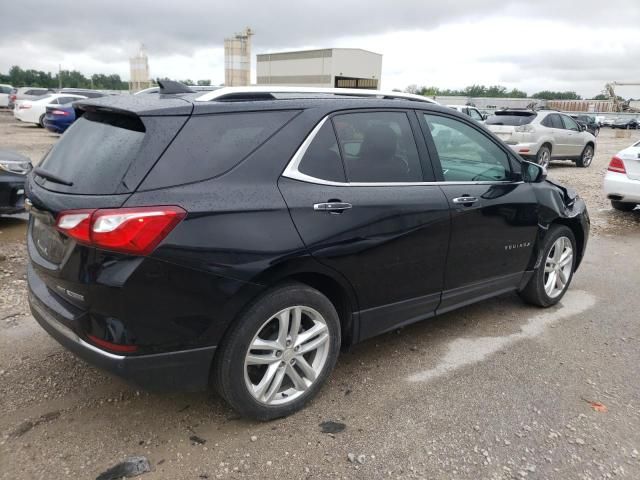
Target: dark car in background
(590, 124)
(13, 170)
(85, 92)
(240, 237)
(626, 123)
(59, 117)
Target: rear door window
(570, 123)
(94, 153)
(322, 158)
(378, 147)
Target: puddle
(467, 351)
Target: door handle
(332, 207)
(463, 200)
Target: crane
(618, 105)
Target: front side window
(378, 147)
(570, 123)
(466, 155)
(322, 158)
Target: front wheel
(551, 279)
(586, 157)
(279, 352)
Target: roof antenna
(170, 87)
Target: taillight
(136, 230)
(114, 347)
(59, 112)
(617, 165)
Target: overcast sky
(528, 44)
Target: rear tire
(586, 157)
(553, 276)
(623, 206)
(543, 158)
(41, 121)
(246, 377)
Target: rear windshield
(94, 153)
(510, 118)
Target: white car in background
(33, 111)
(473, 112)
(622, 180)
(5, 90)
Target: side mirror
(533, 173)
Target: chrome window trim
(291, 171)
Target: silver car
(542, 136)
(27, 93)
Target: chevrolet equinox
(240, 238)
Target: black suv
(240, 238)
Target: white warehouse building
(329, 67)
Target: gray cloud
(181, 28)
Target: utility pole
(59, 77)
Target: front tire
(586, 157)
(623, 206)
(279, 352)
(552, 278)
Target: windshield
(513, 119)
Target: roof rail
(266, 93)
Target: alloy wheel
(545, 158)
(558, 267)
(287, 355)
(587, 157)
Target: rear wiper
(52, 177)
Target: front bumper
(11, 193)
(184, 370)
(618, 186)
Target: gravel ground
(498, 390)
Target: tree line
(19, 77)
(496, 91)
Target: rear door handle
(463, 200)
(332, 207)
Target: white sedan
(33, 111)
(622, 180)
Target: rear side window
(210, 145)
(322, 158)
(378, 147)
(94, 153)
(513, 119)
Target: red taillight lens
(76, 224)
(59, 112)
(135, 230)
(114, 347)
(617, 165)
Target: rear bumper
(620, 187)
(184, 370)
(56, 126)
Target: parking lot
(498, 390)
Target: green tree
(550, 95)
(205, 83)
